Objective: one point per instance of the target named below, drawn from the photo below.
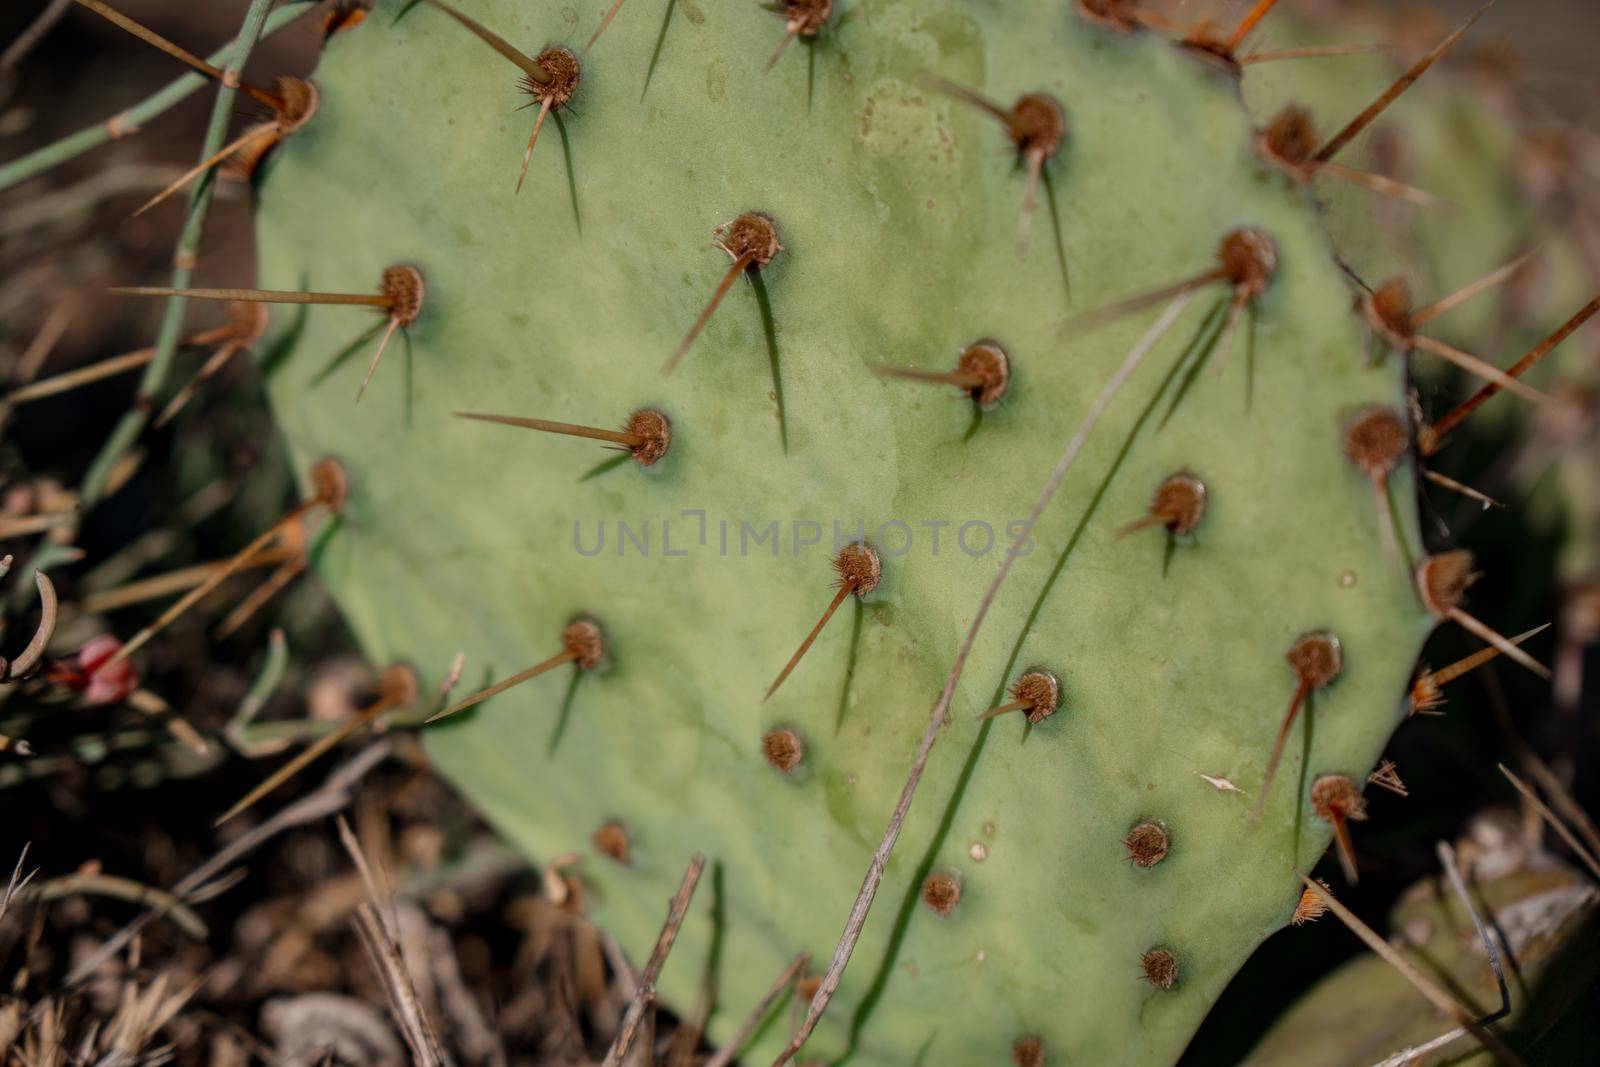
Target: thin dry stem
(115, 887)
(941, 709)
(207, 371)
(644, 993)
(382, 899)
(1552, 784)
(275, 583)
(23, 525)
(154, 705)
(182, 55)
(605, 21)
(1412, 1055)
(1447, 857)
(160, 585)
(44, 342)
(1301, 691)
(18, 880)
(387, 960)
(28, 39)
(731, 1047)
(331, 796)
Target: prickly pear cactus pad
(897, 206)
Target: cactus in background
(1544, 925)
(1472, 138)
(843, 286)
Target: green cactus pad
(897, 207)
